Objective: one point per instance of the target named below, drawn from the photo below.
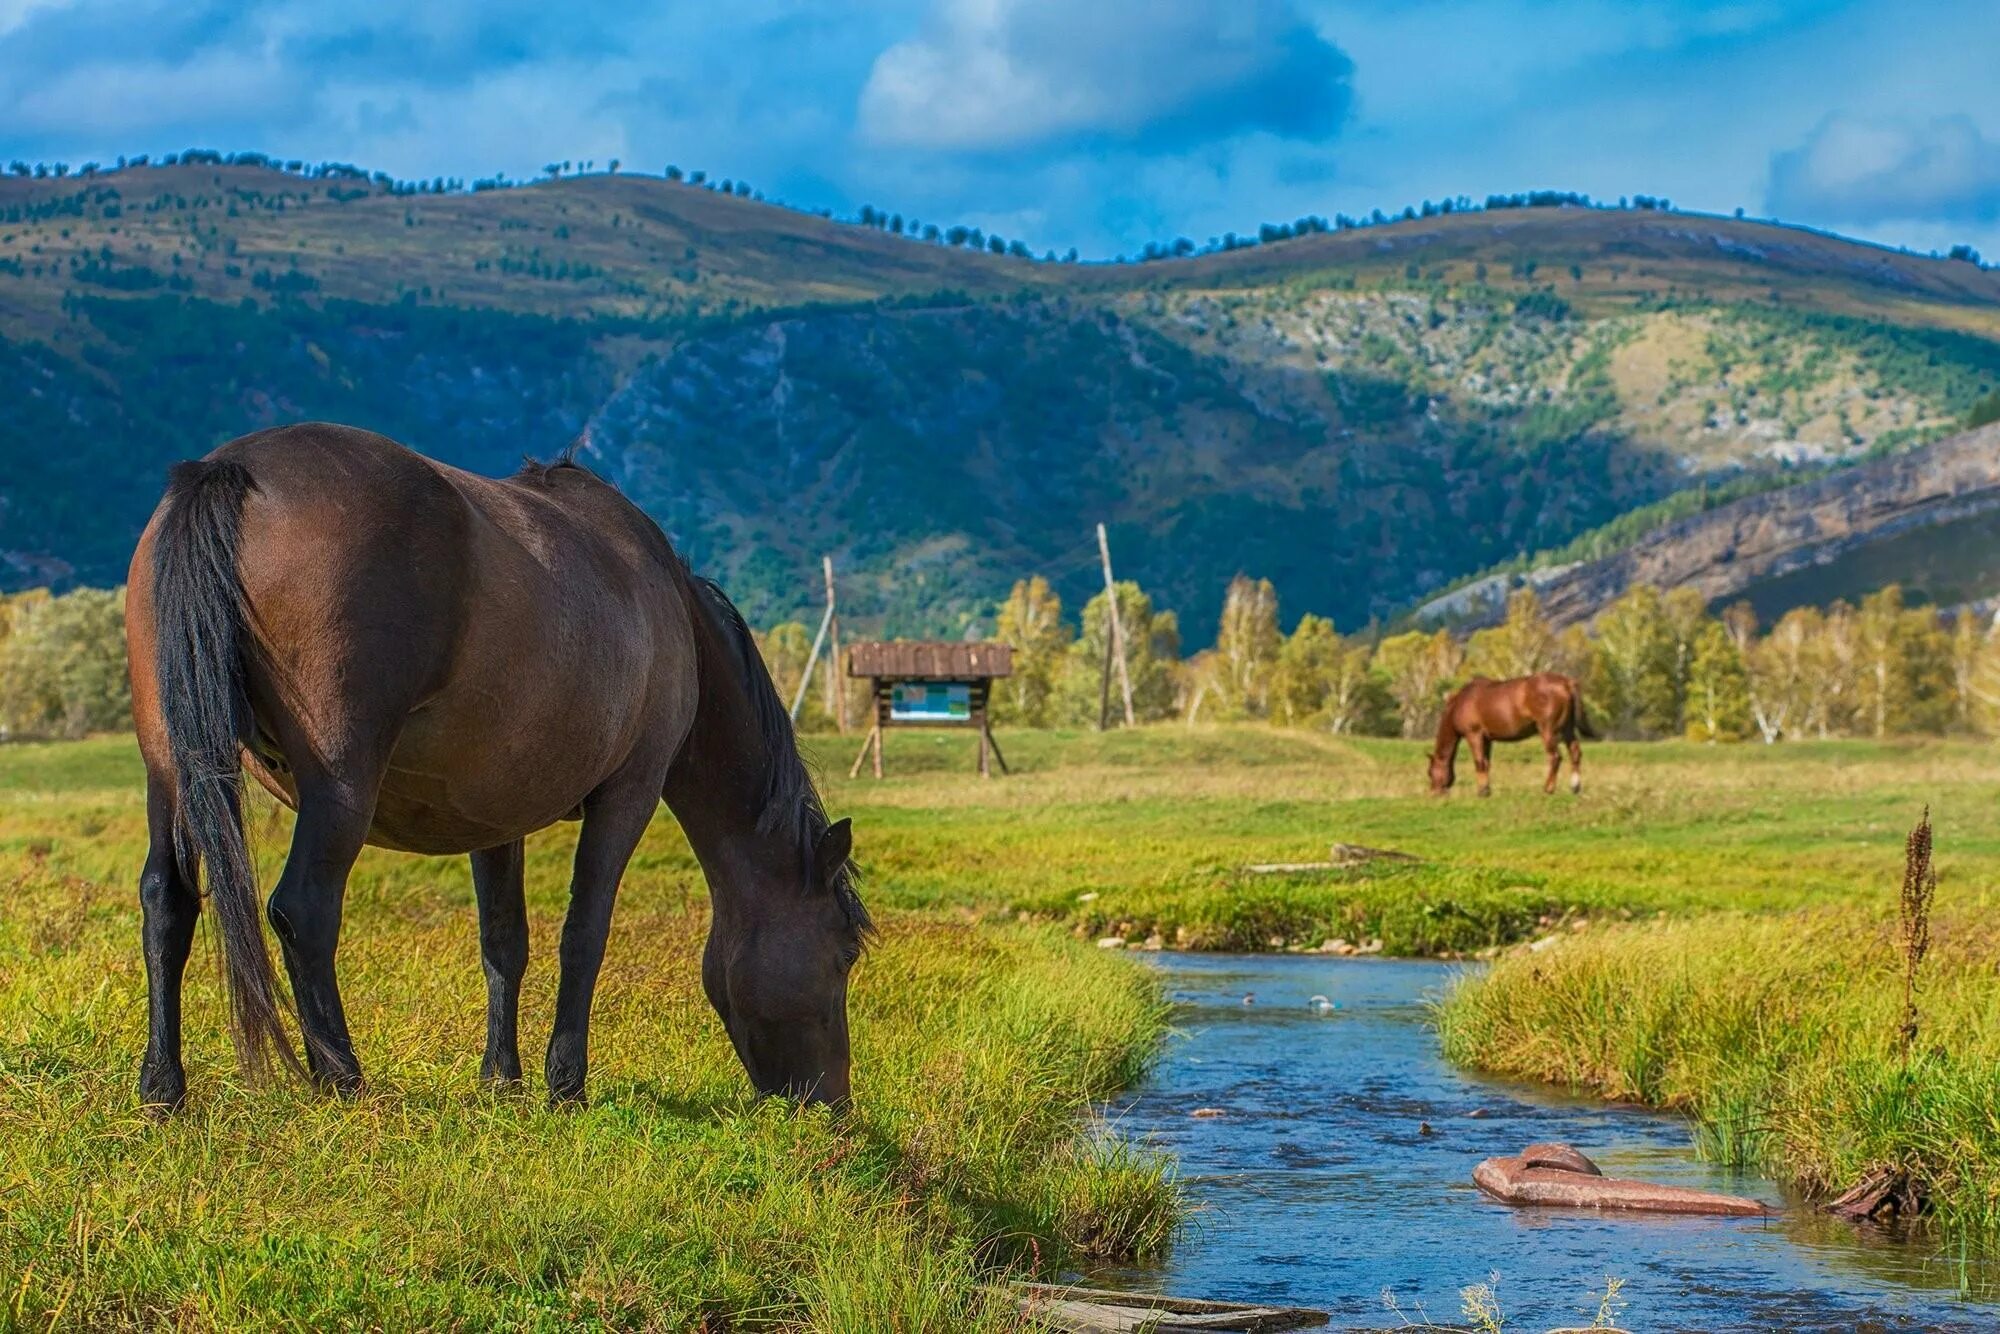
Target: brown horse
(419, 658)
(1483, 711)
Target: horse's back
(490, 647)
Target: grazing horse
(416, 657)
(1483, 711)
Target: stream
(1318, 1186)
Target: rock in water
(1557, 1175)
(1559, 1156)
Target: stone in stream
(1559, 1156)
(1556, 1174)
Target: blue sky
(1095, 123)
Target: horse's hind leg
(1575, 766)
(171, 907)
(305, 911)
(1554, 752)
(503, 949)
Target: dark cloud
(1863, 171)
(1004, 75)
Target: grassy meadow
(1717, 932)
(670, 1202)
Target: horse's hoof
(346, 1085)
(162, 1094)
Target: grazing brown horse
(419, 658)
(1483, 711)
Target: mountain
(1928, 518)
(1364, 415)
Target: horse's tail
(201, 636)
(1583, 727)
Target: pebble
(1207, 1113)
(1111, 943)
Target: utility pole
(1116, 649)
(836, 689)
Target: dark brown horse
(419, 658)
(1483, 711)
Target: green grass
(1722, 913)
(1159, 825)
(1777, 1035)
(1723, 916)
(670, 1201)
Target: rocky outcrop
(1752, 541)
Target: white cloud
(990, 75)
(1859, 170)
(138, 99)
(13, 13)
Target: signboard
(930, 702)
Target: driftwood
(1344, 856)
(1885, 1193)
(1557, 1175)
(1071, 1310)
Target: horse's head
(1443, 773)
(777, 963)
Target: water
(1319, 1188)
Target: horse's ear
(835, 846)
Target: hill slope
(1363, 416)
(1928, 518)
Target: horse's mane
(540, 470)
(789, 794)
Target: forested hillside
(1364, 414)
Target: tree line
(1651, 664)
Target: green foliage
(1718, 688)
(1152, 652)
(62, 664)
(1984, 412)
(1237, 679)
(1520, 646)
(1031, 621)
(1321, 680)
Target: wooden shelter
(930, 683)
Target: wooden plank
(930, 660)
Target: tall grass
(1789, 1038)
(671, 1201)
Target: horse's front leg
(503, 950)
(613, 821)
(1482, 762)
(305, 911)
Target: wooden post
(1104, 688)
(866, 743)
(994, 742)
(836, 688)
(812, 661)
(1117, 627)
(881, 721)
